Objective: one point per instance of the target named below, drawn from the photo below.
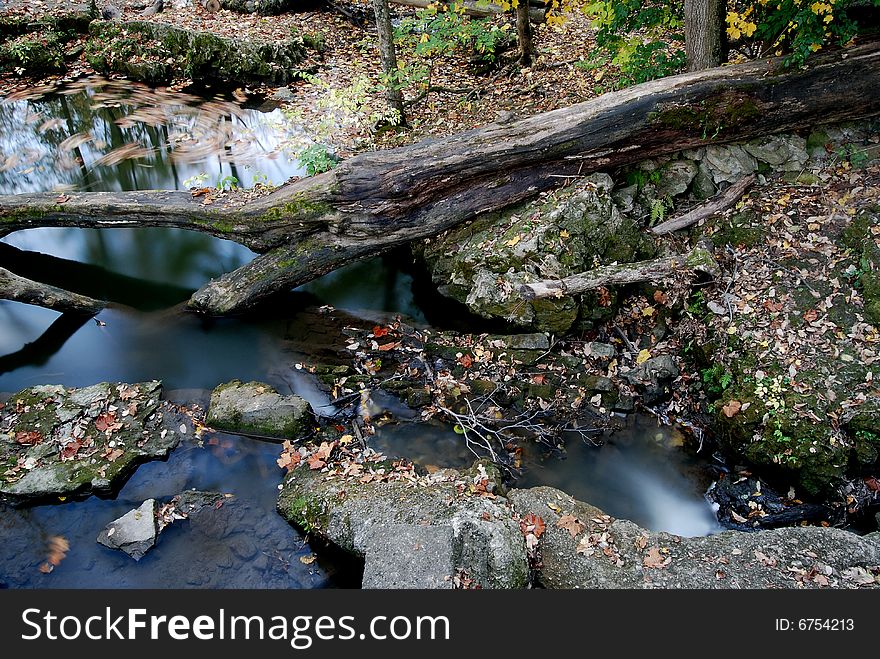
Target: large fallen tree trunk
(376, 201)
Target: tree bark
(376, 201)
(527, 51)
(388, 56)
(19, 289)
(698, 259)
(705, 33)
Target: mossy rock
(33, 53)
(114, 46)
(483, 264)
(258, 409)
(72, 442)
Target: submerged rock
(134, 533)
(258, 409)
(385, 521)
(615, 553)
(56, 441)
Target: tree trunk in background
(524, 34)
(388, 55)
(705, 34)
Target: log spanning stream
(640, 473)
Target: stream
(639, 472)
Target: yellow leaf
(513, 241)
(564, 233)
(643, 356)
(648, 311)
(345, 439)
(307, 560)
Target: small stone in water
(182, 429)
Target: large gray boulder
(616, 553)
(134, 533)
(58, 441)
(483, 264)
(412, 532)
(257, 408)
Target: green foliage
(227, 183)
(658, 210)
(317, 159)
(196, 181)
(439, 30)
(716, 379)
(855, 156)
(641, 38)
(796, 28)
(697, 305)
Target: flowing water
(99, 138)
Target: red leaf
(466, 361)
(531, 523)
(107, 422)
(69, 450)
(379, 331)
(30, 438)
(872, 483)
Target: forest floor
(346, 73)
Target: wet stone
(409, 556)
(134, 533)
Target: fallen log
(478, 8)
(698, 259)
(19, 289)
(722, 202)
(376, 201)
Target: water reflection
(111, 136)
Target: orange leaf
(731, 409)
(389, 346)
(316, 463)
(466, 360)
(379, 331)
(660, 297)
(655, 559)
(811, 315)
(539, 379)
(571, 524)
(531, 523)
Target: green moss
(711, 116)
(306, 514)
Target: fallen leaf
(660, 297)
(379, 331)
(731, 409)
(513, 241)
(643, 356)
(389, 346)
(648, 311)
(655, 559)
(28, 438)
(308, 560)
(604, 297)
(571, 524)
(466, 360)
(532, 523)
(766, 560)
